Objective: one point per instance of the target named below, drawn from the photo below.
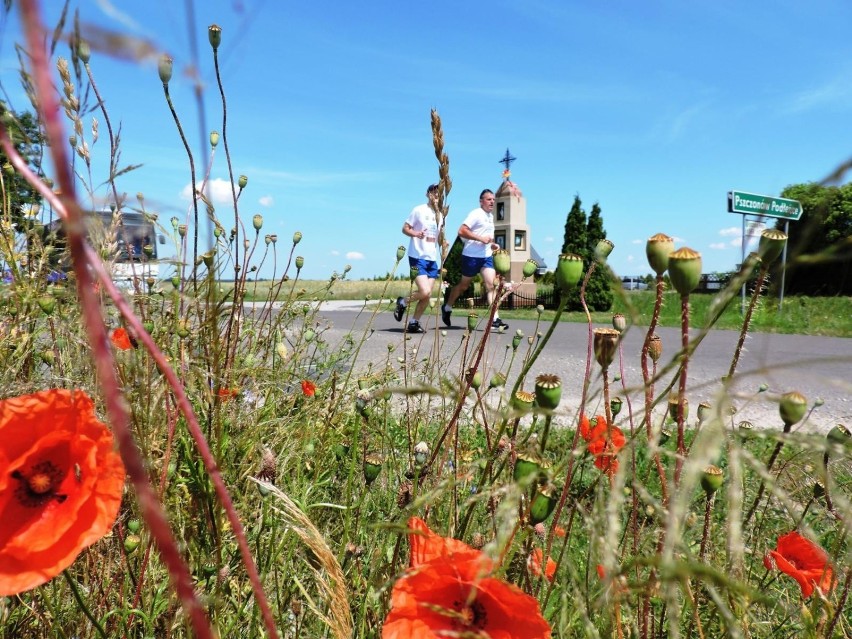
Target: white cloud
(549, 238)
(335, 252)
(219, 189)
(266, 201)
(354, 255)
(630, 259)
(719, 246)
(731, 231)
(636, 241)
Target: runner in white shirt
(477, 232)
(422, 227)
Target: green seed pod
(400, 252)
(133, 526)
(150, 281)
(148, 250)
(548, 391)
(475, 378)
(658, 249)
(341, 451)
(528, 464)
(516, 339)
(792, 408)
(131, 543)
(183, 329)
(48, 357)
(214, 34)
(771, 245)
(819, 489)
(175, 281)
(267, 239)
(497, 380)
(712, 479)
(665, 435)
(300, 262)
(148, 325)
(502, 261)
(214, 138)
(745, 429)
(164, 68)
(839, 435)
(309, 335)
(673, 404)
(242, 181)
(569, 270)
(606, 345)
(685, 270)
(530, 267)
(84, 51)
(182, 230)
(523, 401)
(615, 406)
(763, 388)
(603, 249)
(257, 222)
(543, 504)
(372, 467)
(421, 453)
(472, 319)
(619, 322)
(47, 304)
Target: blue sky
(654, 110)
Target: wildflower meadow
(178, 462)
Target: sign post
(746, 203)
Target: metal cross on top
(507, 159)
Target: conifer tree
(598, 290)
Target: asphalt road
(817, 367)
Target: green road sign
(752, 204)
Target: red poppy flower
(803, 560)
(534, 565)
(605, 442)
(309, 388)
(451, 594)
(121, 339)
(227, 393)
(60, 485)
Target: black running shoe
(445, 316)
(498, 324)
(414, 327)
(399, 311)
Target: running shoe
(399, 311)
(414, 327)
(445, 315)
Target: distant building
(512, 233)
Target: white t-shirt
(482, 224)
(422, 218)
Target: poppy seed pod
(214, 138)
(603, 249)
(527, 464)
(148, 325)
(685, 270)
(182, 230)
(658, 248)
(839, 435)
(47, 304)
(421, 453)
(148, 250)
(242, 181)
(131, 543)
(792, 407)
(474, 378)
(615, 406)
(400, 252)
(673, 404)
(569, 270)
(703, 411)
(372, 467)
(502, 261)
(522, 401)
(606, 344)
(257, 222)
(175, 281)
(712, 479)
(543, 504)
(214, 34)
(84, 52)
(548, 391)
(267, 239)
(165, 67)
(300, 262)
(771, 244)
(530, 267)
(619, 322)
(655, 348)
(497, 380)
